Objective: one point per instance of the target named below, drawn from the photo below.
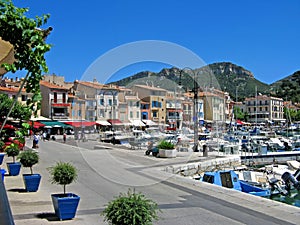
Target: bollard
(205, 150)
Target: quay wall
(270, 158)
(190, 169)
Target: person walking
(35, 140)
(65, 137)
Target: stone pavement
(25, 205)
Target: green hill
(288, 88)
(225, 76)
(236, 80)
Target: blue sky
(261, 36)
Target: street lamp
(103, 92)
(51, 108)
(195, 113)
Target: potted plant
(29, 158)
(65, 204)
(2, 144)
(14, 167)
(166, 149)
(131, 209)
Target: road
(104, 173)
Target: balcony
(60, 116)
(91, 107)
(174, 118)
(60, 105)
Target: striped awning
(55, 124)
(102, 123)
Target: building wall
(263, 108)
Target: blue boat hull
(229, 179)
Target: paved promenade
(106, 171)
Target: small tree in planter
(2, 144)
(13, 151)
(29, 158)
(130, 209)
(65, 205)
(166, 149)
(166, 145)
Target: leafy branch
(29, 45)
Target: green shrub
(166, 145)
(28, 158)
(12, 150)
(2, 144)
(130, 209)
(63, 173)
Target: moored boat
(230, 179)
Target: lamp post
(103, 92)
(195, 113)
(112, 117)
(51, 108)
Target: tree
(19, 111)
(238, 113)
(29, 44)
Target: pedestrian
(44, 135)
(64, 137)
(35, 140)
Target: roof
(91, 84)
(11, 89)
(150, 87)
(52, 86)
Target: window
(156, 104)
(131, 114)
(64, 97)
(55, 97)
(154, 114)
(101, 102)
(101, 112)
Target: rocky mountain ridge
(236, 80)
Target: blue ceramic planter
(32, 182)
(14, 168)
(65, 205)
(3, 171)
(1, 157)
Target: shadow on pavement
(20, 190)
(48, 216)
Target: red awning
(239, 122)
(8, 126)
(36, 124)
(60, 104)
(115, 122)
(81, 123)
